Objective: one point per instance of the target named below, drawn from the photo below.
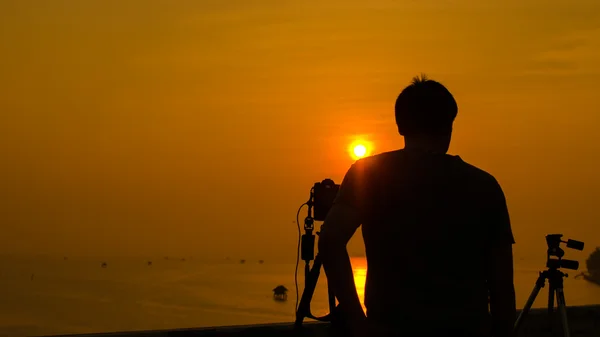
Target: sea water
(55, 295)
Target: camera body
(324, 194)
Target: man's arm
(339, 226)
(500, 266)
(502, 291)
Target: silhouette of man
(436, 229)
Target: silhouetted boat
(261, 261)
(242, 261)
(149, 263)
(104, 265)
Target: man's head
(425, 110)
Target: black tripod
(311, 276)
(555, 281)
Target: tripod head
(554, 250)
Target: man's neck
(426, 145)
(425, 148)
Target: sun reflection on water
(359, 269)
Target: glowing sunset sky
(188, 127)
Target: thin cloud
(573, 53)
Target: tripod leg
(309, 289)
(539, 284)
(562, 308)
(551, 292)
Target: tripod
(555, 281)
(311, 276)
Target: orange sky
(198, 127)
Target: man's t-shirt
(427, 223)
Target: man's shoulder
(398, 156)
(379, 158)
(375, 163)
(478, 174)
(391, 158)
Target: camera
(324, 195)
(554, 241)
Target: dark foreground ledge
(584, 321)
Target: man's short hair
(425, 107)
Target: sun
(360, 150)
